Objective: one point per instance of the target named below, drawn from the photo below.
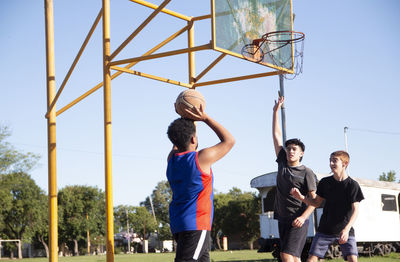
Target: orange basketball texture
(188, 99)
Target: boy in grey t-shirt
(292, 214)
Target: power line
(374, 131)
(63, 149)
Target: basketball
(188, 99)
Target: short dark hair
(297, 142)
(180, 131)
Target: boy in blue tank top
(191, 179)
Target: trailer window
(388, 202)
(269, 200)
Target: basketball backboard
(236, 23)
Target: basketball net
(284, 49)
(294, 43)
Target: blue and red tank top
(191, 207)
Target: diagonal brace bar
(169, 53)
(232, 79)
(166, 11)
(140, 28)
(162, 79)
(96, 22)
(98, 86)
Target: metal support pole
(283, 114)
(107, 132)
(191, 54)
(51, 132)
(345, 139)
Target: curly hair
(180, 131)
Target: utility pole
(152, 209)
(345, 139)
(127, 230)
(346, 145)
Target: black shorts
(292, 238)
(192, 246)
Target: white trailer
(377, 227)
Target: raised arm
(276, 127)
(344, 234)
(210, 155)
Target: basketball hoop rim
(299, 36)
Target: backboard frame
(216, 47)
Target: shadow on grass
(247, 260)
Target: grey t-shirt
(287, 207)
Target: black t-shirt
(287, 207)
(339, 197)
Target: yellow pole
(107, 131)
(51, 131)
(88, 236)
(191, 54)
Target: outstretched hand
(279, 103)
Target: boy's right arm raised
(210, 155)
(216, 152)
(276, 128)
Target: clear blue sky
(350, 79)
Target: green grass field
(217, 256)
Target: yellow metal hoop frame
(120, 66)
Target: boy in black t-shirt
(342, 196)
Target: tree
(389, 176)
(244, 213)
(11, 160)
(81, 209)
(23, 205)
(161, 197)
(143, 222)
(221, 201)
(42, 230)
(240, 209)
(140, 219)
